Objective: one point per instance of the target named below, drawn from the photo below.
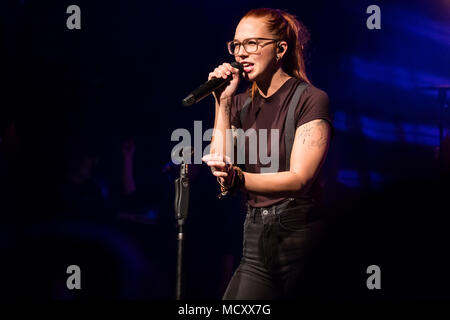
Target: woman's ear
(281, 49)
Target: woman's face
(257, 65)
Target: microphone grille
(237, 65)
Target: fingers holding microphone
(224, 71)
(222, 82)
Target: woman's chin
(251, 76)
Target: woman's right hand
(225, 91)
(221, 167)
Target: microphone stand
(181, 210)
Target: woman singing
(282, 205)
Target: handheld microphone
(209, 86)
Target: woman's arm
(224, 98)
(220, 139)
(310, 147)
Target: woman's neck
(270, 85)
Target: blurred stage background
(75, 104)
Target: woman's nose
(241, 52)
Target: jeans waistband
(274, 209)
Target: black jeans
(277, 243)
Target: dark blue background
(124, 75)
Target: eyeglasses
(250, 45)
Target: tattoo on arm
(314, 133)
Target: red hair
(287, 28)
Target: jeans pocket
(247, 223)
(295, 219)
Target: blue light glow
(340, 121)
(375, 179)
(379, 130)
(398, 76)
(385, 131)
(421, 134)
(349, 178)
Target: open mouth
(248, 67)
